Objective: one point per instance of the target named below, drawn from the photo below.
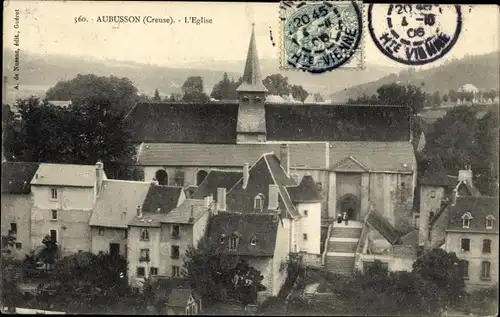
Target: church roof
(252, 79)
(217, 122)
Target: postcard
(295, 157)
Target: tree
(453, 95)
(49, 253)
(436, 100)
(157, 97)
(85, 132)
(277, 84)
(445, 98)
(440, 270)
(406, 95)
(120, 92)
(299, 93)
(11, 294)
(223, 89)
(193, 91)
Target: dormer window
(490, 219)
(258, 202)
(144, 235)
(245, 99)
(253, 241)
(258, 99)
(466, 218)
(233, 243)
(221, 239)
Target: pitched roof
(161, 197)
(117, 203)
(306, 191)
(216, 122)
(263, 227)
(479, 207)
(266, 171)
(470, 188)
(379, 223)
(411, 238)
(439, 213)
(436, 175)
(16, 177)
(65, 175)
(376, 156)
(181, 214)
(252, 79)
(214, 180)
(312, 155)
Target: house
(17, 202)
(63, 199)
(115, 207)
(355, 153)
(175, 297)
(472, 233)
(159, 238)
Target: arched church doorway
(162, 177)
(349, 204)
(200, 177)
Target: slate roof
(379, 223)
(435, 174)
(65, 175)
(479, 207)
(180, 215)
(216, 122)
(16, 177)
(411, 238)
(312, 155)
(214, 180)
(264, 227)
(117, 203)
(376, 156)
(306, 191)
(163, 197)
(267, 170)
(470, 189)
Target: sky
(48, 27)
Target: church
(358, 155)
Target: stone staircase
(341, 248)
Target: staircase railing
(361, 242)
(323, 256)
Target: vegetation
(193, 91)
(278, 84)
(225, 89)
(10, 269)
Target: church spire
(252, 79)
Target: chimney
(208, 201)
(139, 212)
(191, 216)
(285, 158)
(246, 169)
(154, 181)
(273, 197)
(99, 175)
(465, 175)
(221, 199)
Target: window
(245, 98)
(431, 215)
(174, 252)
(179, 178)
(253, 241)
(144, 235)
(101, 231)
(161, 177)
(153, 271)
(200, 177)
(485, 270)
(233, 244)
(125, 234)
(257, 202)
(465, 245)
(305, 213)
(221, 239)
(464, 268)
(144, 257)
(19, 245)
(13, 228)
(258, 99)
(54, 214)
(140, 271)
(176, 272)
(403, 184)
(304, 236)
(429, 234)
(486, 246)
(433, 194)
(53, 193)
(417, 221)
(175, 231)
(53, 235)
(489, 221)
(466, 220)
(319, 187)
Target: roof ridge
(250, 168)
(124, 181)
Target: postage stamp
(414, 34)
(320, 36)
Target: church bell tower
(251, 126)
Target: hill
(40, 72)
(479, 70)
